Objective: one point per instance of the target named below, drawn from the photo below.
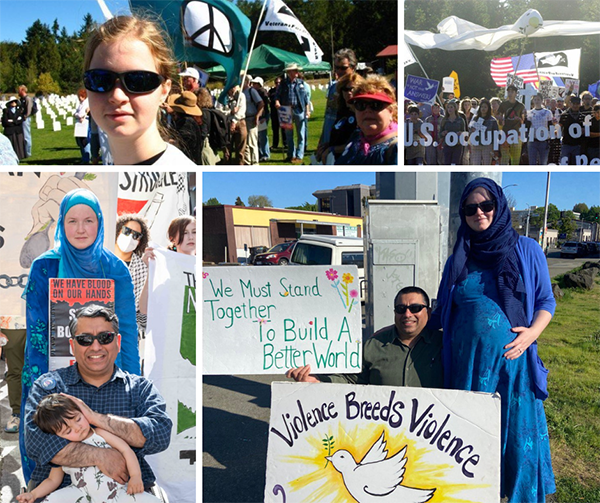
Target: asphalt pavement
(11, 476)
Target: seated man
(126, 405)
(407, 353)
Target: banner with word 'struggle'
(170, 362)
(339, 442)
(266, 320)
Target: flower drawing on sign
(204, 275)
(377, 477)
(262, 321)
(347, 296)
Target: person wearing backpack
(30, 108)
(264, 153)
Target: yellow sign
(454, 75)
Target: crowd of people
(541, 135)
(135, 110)
(494, 301)
(82, 446)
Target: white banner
(407, 55)
(157, 197)
(170, 355)
(339, 442)
(559, 63)
(279, 17)
(29, 205)
(266, 320)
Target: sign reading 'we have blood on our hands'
(336, 443)
(265, 320)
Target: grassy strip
(570, 348)
(59, 147)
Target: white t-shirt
(174, 157)
(539, 118)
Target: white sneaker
(13, 424)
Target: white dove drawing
(377, 479)
(430, 86)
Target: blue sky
(18, 15)
(293, 189)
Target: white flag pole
(262, 10)
(105, 10)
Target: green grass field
(570, 348)
(59, 147)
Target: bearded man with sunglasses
(407, 353)
(126, 405)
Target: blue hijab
(494, 248)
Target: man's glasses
(88, 339)
(376, 106)
(342, 68)
(127, 231)
(413, 308)
(134, 82)
(486, 207)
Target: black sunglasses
(134, 82)
(376, 106)
(413, 308)
(486, 207)
(348, 89)
(127, 231)
(344, 68)
(88, 339)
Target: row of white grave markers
(56, 108)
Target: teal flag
(204, 32)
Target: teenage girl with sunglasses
(127, 72)
(376, 140)
(78, 252)
(494, 301)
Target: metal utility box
(406, 245)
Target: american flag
(501, 67)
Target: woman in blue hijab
(78, 253)
(494, 301)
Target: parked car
(572, 249)
(254, 251)
(317, 249)
(277, 255)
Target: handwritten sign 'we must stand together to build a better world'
(265, 320)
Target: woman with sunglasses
(131, 241)
(78, 252)
(128, 67)
(345, 123)
(376, 109)
(494, 301)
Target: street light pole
(544, 230)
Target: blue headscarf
(76, 263)
(494, 248)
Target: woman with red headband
(376, 140)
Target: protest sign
(420, 89)
(515, 80)
(448, 85)
(29, 204)
(266, 320)
(81, 128)
(157, 197)
(546, 88)
(573, 85)
(284, 113)
(342, 442)
(171, 364)
(67, 295)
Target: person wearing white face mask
(132, 236)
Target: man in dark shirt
(571, 144)
(123, 404)
(512, 116)
(407, 353)
(593, 151)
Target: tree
(592, 215)
(568, 225)
(260, 202)
(213, 201)
(581, 208)
(304, 207)
(553, 217)
(239, 202)
(47, 85)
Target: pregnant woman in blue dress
(494, 301)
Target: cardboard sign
(420, 89)
(67, 295)
(285, 117)
(546, 88)
(448, 85)
(574, 83)
(515, 80)
(266, 320)
(339, 442)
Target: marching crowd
(139, 114)
(542, 135)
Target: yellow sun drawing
(326, 483)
